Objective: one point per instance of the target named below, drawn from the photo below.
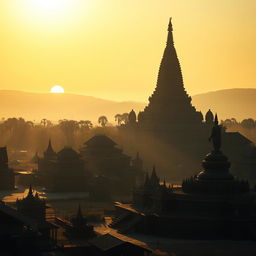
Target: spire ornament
(170, 35)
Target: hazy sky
(112, 48)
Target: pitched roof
(17, 215)
(68, 153)
(100, 141)
(106, 242)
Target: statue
(216, 135)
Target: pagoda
(112, 169)
(169, 101)
(47, 162)
(78, 226)
(171, 125)
(34, 207)
(70, 175)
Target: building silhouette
(34, 208)
(170, 101)
(62, 171)
(212, 204)
(171, 119)
(47, 164)
(78, 227)
(7, 177)
(110, 166)
(99, 168)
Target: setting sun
(57, 89)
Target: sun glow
(49, 5)
(57, 89)
(50, 12)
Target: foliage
(247, 127)
(122, 118)
(20, 134)
(102, 120)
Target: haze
(112, 49)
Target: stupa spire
(154, 179)
(170, 35)
(49, 148)
(216, 121)
(30, 192)
(169, 94)
(50, 153)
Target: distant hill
(36, 106)
(238, 103)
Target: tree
(69, 127)
(228, 123)
(248, 123)
(102, 120)
(125, 118)
(118, 119)
(17, 131)
(30, 124)
(43, 122)
(46, 122)
(85, 124)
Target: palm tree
(102, 120)
(125, 118)
(43, 122)
(30, 124)
(118, 118)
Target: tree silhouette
(118, 119)
(102, 120)
(69, 127)
(248, 123)
(125, 118)
(17, 130)
(45, 122)
(85, 124)
(122, 118)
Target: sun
(48, 5)
(57, 89)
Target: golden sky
(112, 48)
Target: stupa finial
(170, 36)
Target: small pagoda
(78, 227)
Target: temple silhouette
(171, 119)
(78, 227)
(169, 101)
(100, 167)
(212, 204)
(54, 170)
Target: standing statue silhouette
(215, 137)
